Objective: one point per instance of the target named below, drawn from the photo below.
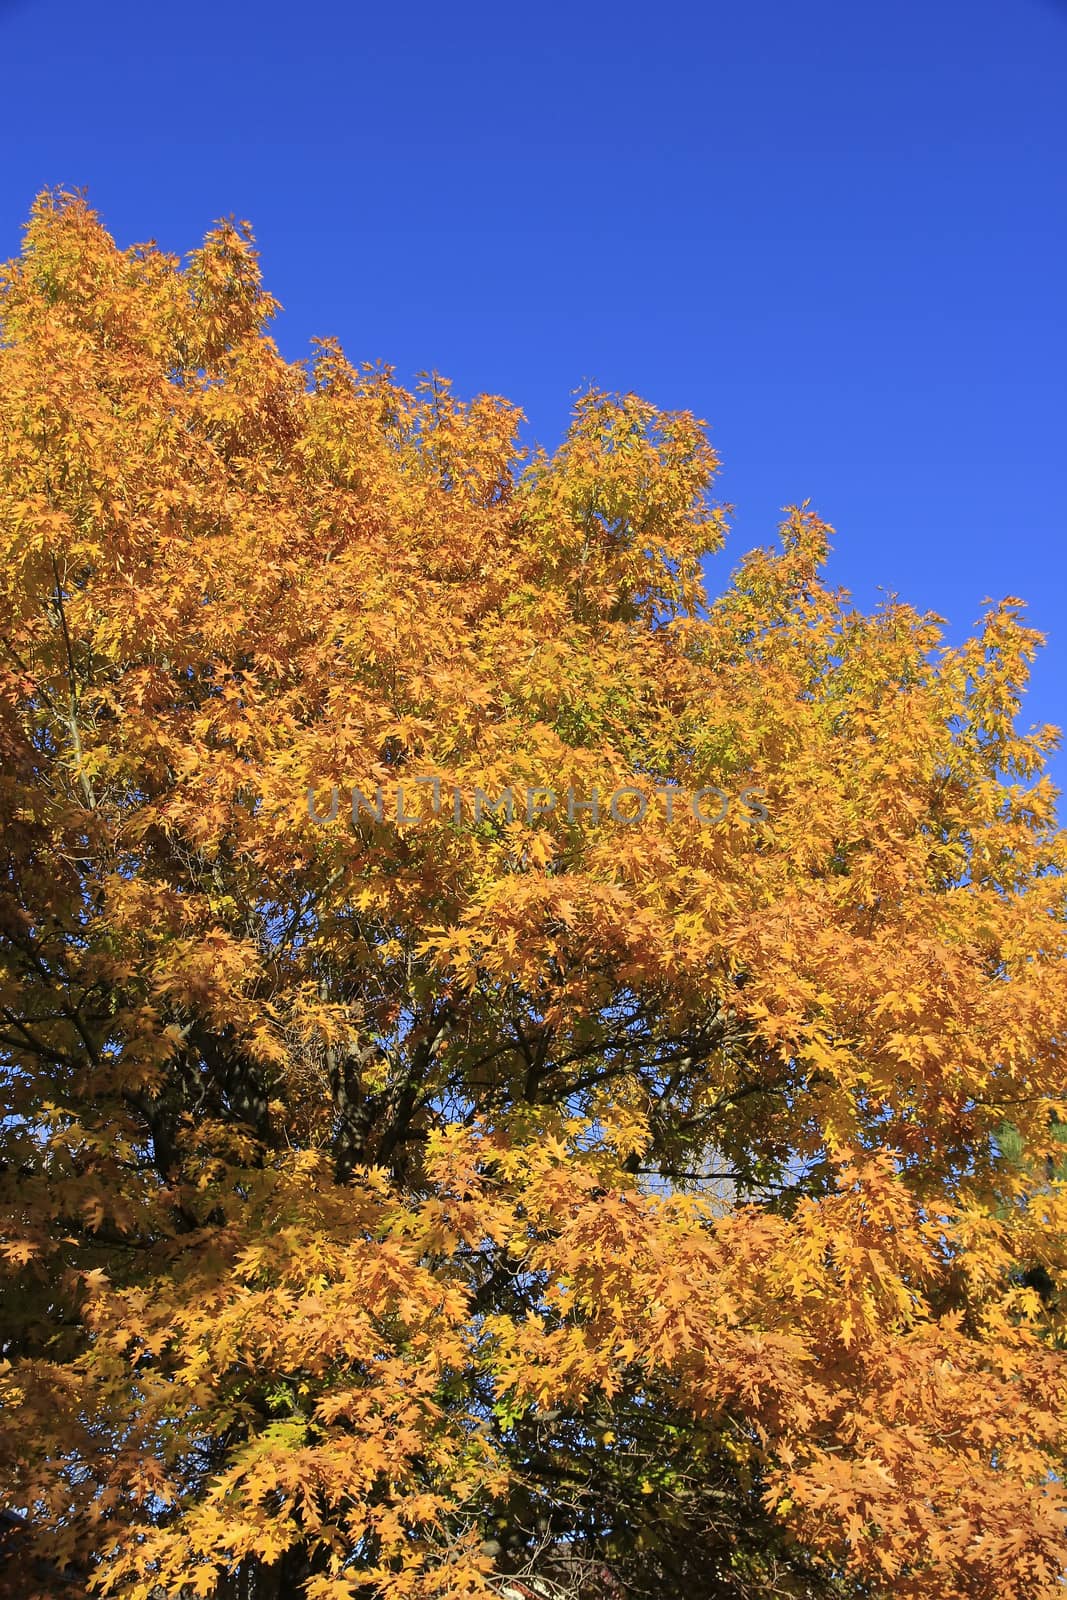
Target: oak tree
(404, 1194)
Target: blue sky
(836, 231)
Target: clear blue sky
(836, 230)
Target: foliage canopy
(656, 1208)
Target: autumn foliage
(651, 1209)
